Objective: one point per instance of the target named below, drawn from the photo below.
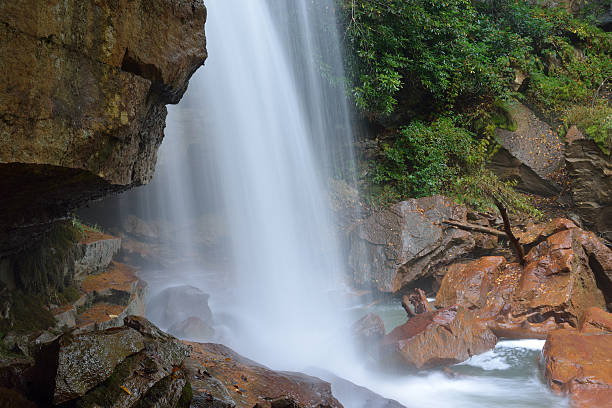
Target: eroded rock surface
(406, 242)
(590, 175)
(249, 384)
(83, 110)
(579, 363)
(443, 337)
(563, 277)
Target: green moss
(28, 313)
(41, 269)
(68, 295)
(186, 396)
(109, 391)
(155, 393)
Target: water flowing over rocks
(396, 247)
(83, 109)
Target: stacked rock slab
(108, 291)
(82, 111)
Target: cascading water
(254, 142)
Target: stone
(396, 247)
(559, 282)
(83, 109)
(416, 303)
(579, 364)
(98, 250)
(530, 154)
(368, 332)
(252, 385)
(443, 337)
(88, 359)
(208, 392)
(595, 319)
(590, 176)
(192, 328)
(178, 303)
(353, 395)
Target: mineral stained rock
(83, 91)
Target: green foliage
(424, 159)
(595, 122)
(481, 189)
(459, 54)
(27, 314)
(446, 49)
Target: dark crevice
(603, 281)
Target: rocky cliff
(83, 89)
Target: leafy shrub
(595, 122)
(423, 159)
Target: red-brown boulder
(443, 337)
(580, 365)
(563, 277)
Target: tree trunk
(518, 248)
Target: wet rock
(444, 337)
(589, 173)
(208, 392)
(151, 377)
(416, 303)
(536, 233)
(368, 332)
(176, 304)
(560, 280)
(353, 395)
(252, 385)
(407, 242)
(88, 359)
(579, 364)
(192, 328)
(595, 319)
(85, 102)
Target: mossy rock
(27, 314)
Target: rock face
(444, 337)
(590, 175)
(564, 276)
(397, 246)
(89, 359)
(530, 154)
(243, 383)
(176, 304)
(579, 363)
(83, 110)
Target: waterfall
(270, 130)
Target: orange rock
(446, 336)
(562, 278)
(595, 319)
(580, 365)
